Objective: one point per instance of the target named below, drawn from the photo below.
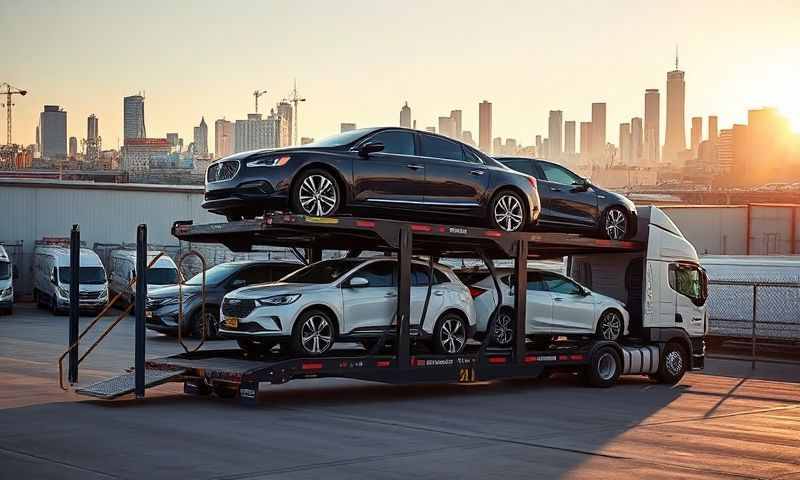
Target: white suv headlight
(278, 300)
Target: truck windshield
(162, 276)
(87, 275)
(5, 270)
(326, 271)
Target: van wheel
(673, 365)
(450, 334)
(604, 369)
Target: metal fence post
(141, 295)
(74, 298)
(753, 335)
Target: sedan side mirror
(582, 185)
(585, 292)
(358, 282)
(370, 147)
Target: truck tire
(604, 368)
(673, 365)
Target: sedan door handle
(555, 189)
(557, 299)
(415, 166)
(391, 294)
(438, 293)
(477, 172)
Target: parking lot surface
(727, 422)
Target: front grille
(238, 308)
(154, 303)
(89, 295)
(250, 327)
(223, 170)
(216, 194)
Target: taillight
(476, 292)
(532, 181)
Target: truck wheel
(450, 334)
(604, 369)
(674, 363)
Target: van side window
(689, 281)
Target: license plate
(231, 322)
(148, 314)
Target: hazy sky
(358, 61)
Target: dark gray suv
(162, 304)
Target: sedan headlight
(278, 300)
(7, 292)
(269, 162)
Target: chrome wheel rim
(606, 366)
(316, 334)
(452, 335)
(611, 326)
(616, 224)
(503, 331)
(674, 363)
(508, 213)
(317, 195)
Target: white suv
(348, 299)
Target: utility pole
(295, 98)
(10, 90)
(257, 94)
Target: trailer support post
(404, 299)
(753, 333)
(74, 298)
(520, 300)
(141, 295)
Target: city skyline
(177, 94)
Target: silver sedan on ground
(350, 300)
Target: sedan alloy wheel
(616, 224)
(507, 212)
(317, 194)
(503, 328)
(316, 334)
(451, 335)
(610, 326)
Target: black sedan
(386, 172)
(570, 202)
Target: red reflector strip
(382, 363)
(493, 233)
(421, 228)
(576, 357)
(312, 366)
(563, 357)
(365, 223)
(497, 360)
(530, 359)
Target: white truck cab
(7, 275)
(663, 287)
(51, 279)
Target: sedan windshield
(5, 271)
(340, 139)
(326, 271)
(162, 276)
(214, 275)
(87, 275)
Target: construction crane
(257, 94)
(9, 90)
(295, 99)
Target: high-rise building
(497, 145)
(636, 140)
(675, 138)
(92, 139)
(256, 132)
(92, 128)
(713, 129)
(598, 145)
(696, 133)
(625, 143)
(455, 115)
(73, 147)
(569, 137)
(652, 125)
(545, 148)
(53, 132)
(346, 127)
(586, 139)
(133, 117)
(485, 126)
(405, 116)
(554, 133)
(201, 138)
(137, 153)
(466, 137)
(286, 113)
(175, 142)
(447, 127)
(224, 138)
(539, 152)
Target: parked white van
(51, 276)
(164, 273)
(7, 275)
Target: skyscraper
(285, 112)
(586, 139)
(696, 133)
(224, 137)
(92, 139)
(625, 143)
(466, 137)
(485, 126)
(405, 116)
(652, 125)
(201, 138)
(675, 141)
(569, 137)
(133, 117)
(346, 127)
(554, 133)
(598, 145)
(256, 132)
(53, 132)
(497, 145)
(447, 127)
(539, 146)
(636, 140)
(713, 130)
(73, 147)
(456, 116)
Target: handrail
(202, 306)
(100, 315)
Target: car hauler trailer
(228, 372)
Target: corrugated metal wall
(714, 230)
